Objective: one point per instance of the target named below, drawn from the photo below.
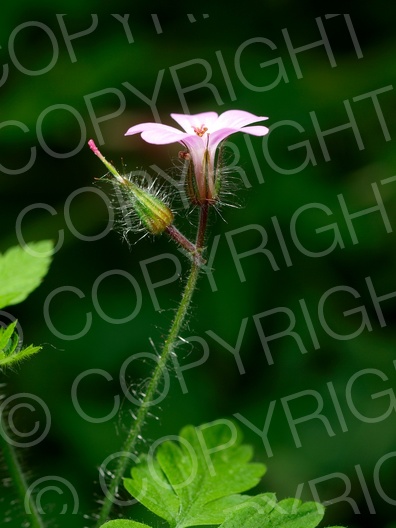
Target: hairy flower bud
(152, 212)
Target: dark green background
(75, 448)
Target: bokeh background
(193, 45)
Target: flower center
(200, 131)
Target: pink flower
(202, 135)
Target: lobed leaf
(9, 341)
(18, 356)
(21, 271)
(123, 523)
(195, 481)
(263, 511)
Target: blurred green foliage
(208, 47)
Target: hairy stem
(168, 348)
(203, 221)
(18, 477)
(192, 250)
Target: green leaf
(122, 523)
(263, 511)
(9, 341)
(193, 482)
(21, 270)
(18, 356)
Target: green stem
(18, 477)
(169, 346)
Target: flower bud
(152, 212)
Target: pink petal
(194, 143)
(236, 119)
(219, 135)
(144, 126)
(257, 130)
(157, 133)
(188, 122)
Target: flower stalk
(18, 477)
(192, 250)
(169, 346)
(203, 133)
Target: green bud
(153, 213)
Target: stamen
(200, 131)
